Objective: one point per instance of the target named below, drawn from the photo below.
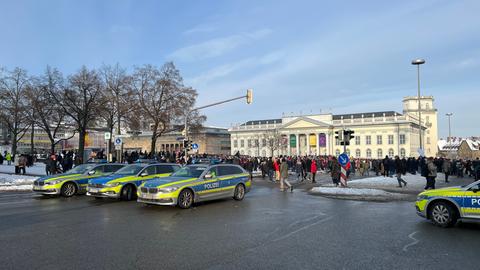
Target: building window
(264, 153)
(242, 143)
(357, 153)
(379, 153)
(379, 139)
(390, 139)
(427, 119)
(357, 140)
(402, 152)
(337, 153)
(427, 106)
(428, 140)
(249, 143)
(256, 143)
(337, 141)
(369, 153)
(402, 138)
(391, 153)
(264, 142)
(368, 140)
(235, 143)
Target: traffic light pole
(248, 96)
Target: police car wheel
(127, 193)
(68, 189)
(442, 214)
(185, 199)
(239, 193)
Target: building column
(298, 144)
(307, 137)
(318, 143)
(288, 145)
(327, 143)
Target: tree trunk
(52, 146)
(154, 143)
(32, 146)
(14, 145)
(81, 145)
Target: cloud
(217, 46)
(201, 28)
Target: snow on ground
(413, 181)
(37, 169)
(16, 182)
(350, 191)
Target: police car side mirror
(144, 174)
(208, 176)
(475, 189)
(91, 172)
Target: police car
(74, 181)
(445, 206)
(196, 183)
(123, 183)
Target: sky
(299, 57)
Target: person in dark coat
(335, 172)
(399, 168)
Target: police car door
(226, 175)
(210, 185)
(471, 202)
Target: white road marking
(415, 241)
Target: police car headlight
(112, 184)
(168, 189)
(422, 197)
(54, 182)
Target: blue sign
(118, 141)
(194, 146)
(343, 159)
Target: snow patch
(10, 182)
(350, 191)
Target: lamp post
(419, 62)
(449, 115)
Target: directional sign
(343, 159)
(194, 146)
(118, 141)
(108, 135)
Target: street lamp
(449, 115)
(419, 62)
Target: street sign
(108, 135)
(343, 159)
(118, 147)
(194, 146)
(180, 138)
(118, 141)
(421, 152)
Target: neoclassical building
(377, 134)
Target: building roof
(366, 115)
(454, 144)
(262, 122)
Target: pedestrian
(431, 174)
(446, 168)
(8, 157)
(399, 169)
(16, 163)
(276, 166)
(313, 170)
(335, 172)
(284, 177)
(22, 164)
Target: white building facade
(377, 134)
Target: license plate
(93, 190)
(148, 196)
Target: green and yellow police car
(123, 183)
(446, 205)
(196, 183)
(74, 181)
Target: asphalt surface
(269, 229)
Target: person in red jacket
(276, 166)
(313, 170)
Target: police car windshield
(130, 169)
(190, 171)
(82, 168)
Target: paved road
(268, 230)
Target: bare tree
(81, 100)
(164, 100)
(118, 98)
(13, 87)
(46, 113)
(274, 140)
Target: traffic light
(339, 135)
(347, 136)
(187, 144)
(249, 96)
